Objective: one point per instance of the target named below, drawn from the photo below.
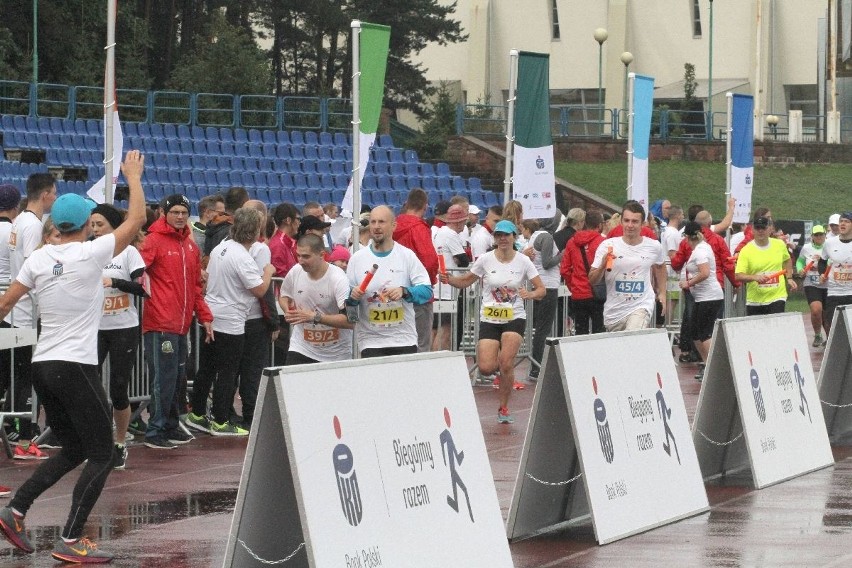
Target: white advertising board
(368, 463)
(759, 408)
(620, 431)
(835, 377)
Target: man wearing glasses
(764, 264)
(173, 264)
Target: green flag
(533, 179)
(372, 62)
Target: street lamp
(600, 36)
(627, 59)
(772, 121)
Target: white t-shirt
(736, 239)
(447, 243)
(381, 322)
(66, 281)
(810, 252)
(500, 284)
(629, 285)
(262, 256)
(670, 239)
(550, 276)
(119, 310)
(5, 268)
(327, 296)
(481, 241)
(709, 288)
(231, 273)
(839, 255)
(24, 238)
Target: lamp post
(710, 79)
(772, 121)
(626, 59)
(600, 36)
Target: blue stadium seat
(378, 168)
(273, 180)
(276, 195)
(323, 166)
(174, 177)
(173, 145)
(283, 151)
(186, 146)
(210, 178)
(223, 163)
(394, 199)
(300, 181)
(427, 169)
(341, 181)
(226, 134)
(169, 131)
(184, 161)
(162, 147)
(311, 138)
(55, 125)
(297, 152)
(53, 141)
(211, 133)
(199, 148)
(283, 137)
(235, 178)
(395, 156)
(339, 167)
(129, 128)
(309, 166)
(264, 164)
(297, 138)
(491, 198)
(183, 131)
(396, 168)
(222, 179)
(20, 123)
(255, 150)
(411, 169)
(268, 150)
(444, 185)
(149, 147)
(240, 135)
(200, 162)
(313, 181)
(254, 136)
(398, 183)
(325, 153)
(197, 133)
(143, 129)
(443, 170)
(43, 124)
(385, 141)
(269, 137)
(340, 139)
(428, 183)
(413, 181)
(240, 149)
(247, 180)
(370, 182)
(157, 130)
(227, 148)
(285, 181)
(338, 153)
(7, 123)
(198, 179)
(280, 165)
(384, 182)
(326, 139)
(311, 152)
(474, 184)
(172, 162)
(459, 185)
(378, 154)
(294, 166)
(250, 164)
(327, 184)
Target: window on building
(696, 19)
(554, 29)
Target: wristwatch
(317, 317)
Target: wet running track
(173, 509)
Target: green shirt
(770, 259)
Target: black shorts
(704, 317)
(814, 294)
(496, 330)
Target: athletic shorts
(496, 330)
(814, 294)
(705, 316)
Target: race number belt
(771, 283)
(497, 313)
(320, 336)
(386, 314)
(631, 287)
(116, 304)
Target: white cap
(473, 209)
(834, 219)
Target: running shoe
(700, 375)
(159, 443)
(137, 427)
(50, 442)
(5, 491)
(518, 386)
(28, 452)
(119, 458)
(14, 530)
(200, 423)
(817, 340)
(81, 551)
(178, 436)
(503, 416)
(227, 429)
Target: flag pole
(356, 133)
(510, 123)
(729, 289)
(631, 81)
(109, 103)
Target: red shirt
(283, 251)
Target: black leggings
(78, 413)
(121, 346)
(218, 365)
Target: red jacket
(282, 247)
(173, 268)
(413, 232)
(724, 262)
(572, 268)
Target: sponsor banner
(533, 181)
(366, 140)
(382, 471)
(629, 429)
(835, 377)
(742, 155)
(643, 106)
(759, 408)
(97, 191)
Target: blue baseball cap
(505, 226)
(71, 212)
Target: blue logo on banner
(756, 392)
(347, 481)
(452, 457)
(800, 381)
(539, 163)
(665, 415)
(604, 434)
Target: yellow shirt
(770, 259)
